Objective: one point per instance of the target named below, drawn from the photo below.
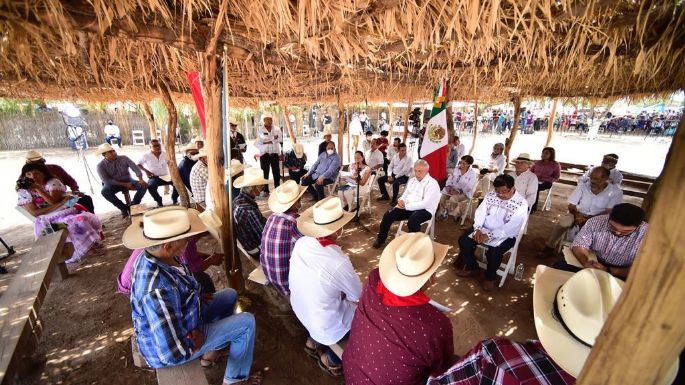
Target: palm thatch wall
(315, 50)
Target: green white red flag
(434, 145)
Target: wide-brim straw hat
(252, 176)
(33, 155)
(298, 149)
(103, 148)
(232, 122)
(162, 225)
(236, 167)
(285, 195)
(213, 224)
(578, 303)
(523, 157)
(198, 139)
(324, 218)
(327, 132)
(190, 146)
(408, 262)
(202, 153)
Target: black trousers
(154, 183)
(316, 190)
(494, 254)
(414, 220)
(297, 175)
(395, 185)
(542, 186)
(267, 161)
(87, 202)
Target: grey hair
(421, 162)
(154, 248)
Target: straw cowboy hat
(33, 155)
(236, 167)
(202, 153)
(252, 176)
(324, 218)
(523, 157)
(103, 148)
(162, 225)
(285, 196)
(198, 139)
(187, 147)
(409, 261)
(213, 224)
(232, 122)
(570, 310)
(326, 131)
(298, 149)
(267, 115)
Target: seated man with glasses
(496, 224)
(614, 238)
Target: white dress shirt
(374, 158)
(500, 219)
(497, 163)
(317, 278)
(400, 167)
(466, 182)
(392, 151)
(589, 203)
(422, 195)
(526, 184)
(157, 166)
(275, 137)
(615, 176)
(366, 146)
(112, 130)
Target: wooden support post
(390, 121)
(284, 107)
(514, 127)
(341, 127)
(406, 121)
(349, 140)
(449, 118)
(150, 120)
(649, 313)
(170, 145)
(475, 127)
(550, 122)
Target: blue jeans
(109, 140)
(109, 192)
(221, 328)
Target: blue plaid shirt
(165, 305)
(249, 221)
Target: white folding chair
(430, 228)
(365, 199)
(510, 266)
(470, 211)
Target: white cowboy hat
(285, 195)
(232, 122)
(198, 139)
(266, 115)
(191, 146)
(524, 156)
(103, 148)
(577, 303)
(236, 167)
(326, 132)
(409, 261)
(298, 149)
(213, 224)
(162, 225)
(33, 155)
(202, 153)
(324, 218)
(252, 176)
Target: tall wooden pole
(147, 111)
(550, 122)
(170, 145)
(349, 140)
(514, 127)
(390, 121)
(475, 127)
(406, 121)
(341, 127)
(284, 107)
(450, 118)
(647, 321)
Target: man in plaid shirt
(249, 221)
(280, 234)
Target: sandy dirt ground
(87, 324)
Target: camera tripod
(80, 155)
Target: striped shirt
(278, 240)
(165, 308)
(498, 361)
(611, 249)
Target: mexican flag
(434, 146)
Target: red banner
(196, 89)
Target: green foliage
(20, 106)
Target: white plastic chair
(510, 266)
(365, 199)
(470, 210)
(430, 228)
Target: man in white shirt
(459, 188)
(497, 161)
(374, 157)
(394, 148)
(154, 165)
(366, 144)
(198, 176)
(398, 174)
(594, 197)
(609, 162)
(112, 132)
(269, 140)
(525, 181)
(456, 153)
(418, 203)
(324, 287)
(497, 222)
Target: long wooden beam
(170, 144)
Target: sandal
(333, 370)
(207, 364)
(311, 352)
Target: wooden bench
(20, 326)
(190, 373)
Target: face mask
(329, 152)
(608, 166)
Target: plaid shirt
(199, 175)
(611, 249)
(498, 361)
(249, 221)
(280, 234)
(165, 309)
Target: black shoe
(376, 244)
(383, 198)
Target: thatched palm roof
(304, 51)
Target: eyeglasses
(620, 232)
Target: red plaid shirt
(278, 240)
(498, 361)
